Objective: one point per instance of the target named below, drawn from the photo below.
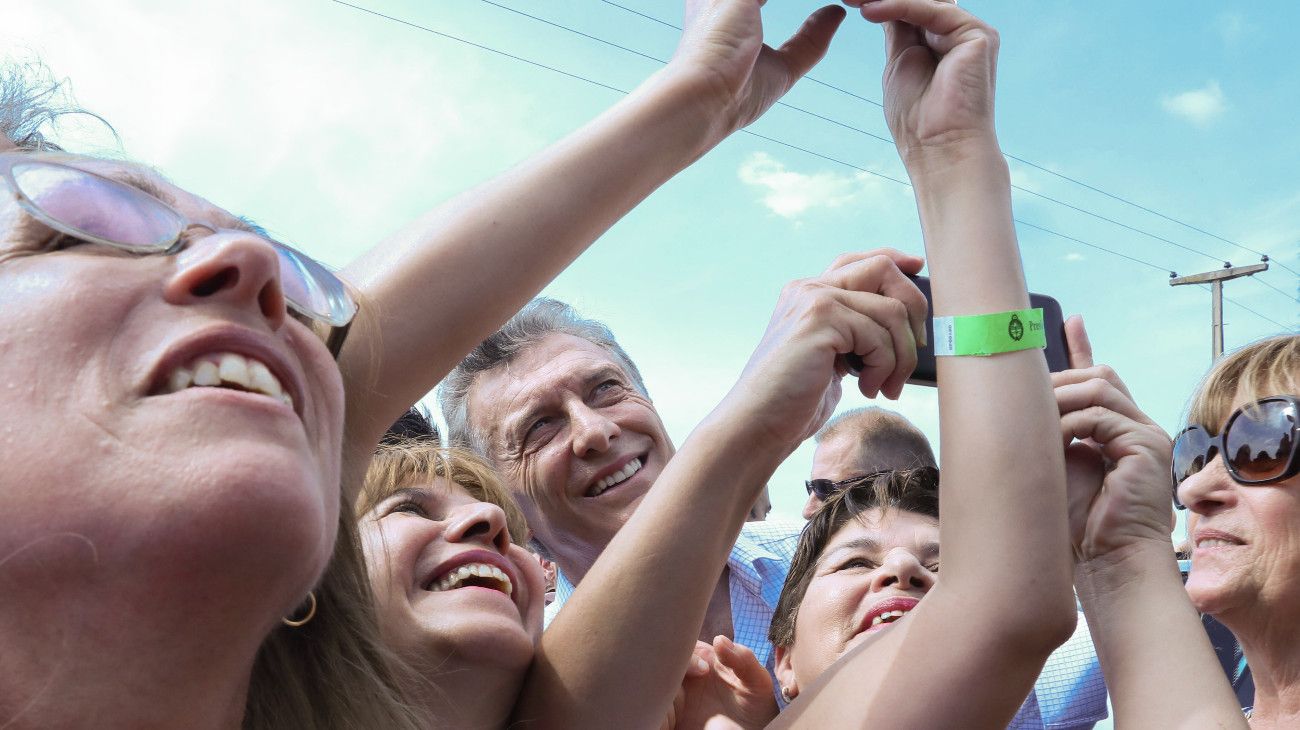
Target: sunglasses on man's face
(1258, 444)
(97, 209)
(825, 488)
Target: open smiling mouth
(615, 479)
(227, 370)
(480, 575)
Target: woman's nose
(902, 569)
(1208, 490)
(233, 268)
(483, 522)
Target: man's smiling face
(575, 440)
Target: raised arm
(616, 654)
(453, 276)
(969, 653)
(1160, 668)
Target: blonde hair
(1267, 367)
(407, 463)
(334, 672)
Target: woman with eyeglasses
(175, 548)
(1236, 467)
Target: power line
(593, 82)
(1257, 314)
(1292, 297)
(1153, 212)
(481, 47)
(1022, 161)
(880, 138)
(656, 59)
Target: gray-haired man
(560, 409)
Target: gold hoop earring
(311, 613)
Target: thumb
(807, 46)
(742, 662)
(1076, 341)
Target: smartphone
(1058, 358)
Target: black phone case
(1058, 358)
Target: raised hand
(722, 47)
(724, 689)
(1117, 459)
(941, 64)
(864, 304)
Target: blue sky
(332, 127)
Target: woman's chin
(484, 641)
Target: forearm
(441, 285)
(616, 654)
(1002, 464)
(1160, 668)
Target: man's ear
(784, 669)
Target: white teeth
(1215, 542)
(261, 380)
(206, 374)
(887, 617)
(231, 369)
(621, 475)
(454, 578)
(180, 380)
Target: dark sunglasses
(1258, 444)
(824, 488)
(101, 210)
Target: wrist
(734, 426)
(1140, 560)
(934, 159)
(702, 102)
(971, 166)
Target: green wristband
(989, 334)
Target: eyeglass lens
(1258, 441)
(82, 202)
(823, 488)
(1192, 451)
(121, 214)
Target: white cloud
(1074, 256)
(790, 194)
(1199, 106)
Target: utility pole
(1215, 279)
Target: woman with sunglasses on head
(1236, 466)
(185, 361)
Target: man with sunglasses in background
(861, 443)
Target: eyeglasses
(825, 488)
(1258, 444)
(101, 210)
